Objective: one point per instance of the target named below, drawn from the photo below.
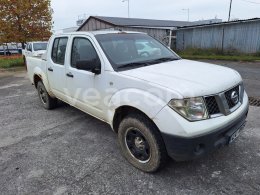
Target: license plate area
(236, 134)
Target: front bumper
(183, 149)
(191, 146)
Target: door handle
(70, 75)
(50, 69)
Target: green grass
(213, 54)
(11, 62)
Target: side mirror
(89, 65)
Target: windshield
(134, 50)
(39, 46)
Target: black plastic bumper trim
(184, 149)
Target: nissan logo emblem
(234, 97)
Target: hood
(189, 78)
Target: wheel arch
(36, 79)
(132, 99)
(40, 76)
(124, 111)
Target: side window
(83, 50)
(54, 50)
(59, 50)
(29, 48)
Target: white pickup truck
(34, 49)
(159, 104)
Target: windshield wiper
(146, 63)
(132, 64)
(159, 60)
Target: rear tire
(46, 100)
(141, 143)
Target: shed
(159, 29)
(238, 36)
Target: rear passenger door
(56, 67)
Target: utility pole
(188, 11)
(230, 10)
(128, 1)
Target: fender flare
(38, 71)
(144, 101)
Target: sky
(67, 12)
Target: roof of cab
(98, 32)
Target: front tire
(141, 143)
(47, 101)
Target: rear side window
(29, 47)
(59, 50)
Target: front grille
(212, 105)
(228, 95)
(225, 102)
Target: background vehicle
(159, 105)
(34, 49)
(10, 49)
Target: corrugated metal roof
(117, 21)
(142, 22)
(219, 23)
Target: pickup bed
(158, 104)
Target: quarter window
(59, 50)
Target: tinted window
(83, 50)
(29, 47)
(131, 48)
(59, 50)
(140, 46)
(39, 46)
(54, 50)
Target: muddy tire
(141, 143)
(47, 101)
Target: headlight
(193, 109)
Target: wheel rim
(43, 95)
(137, 145)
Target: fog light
(199, 149)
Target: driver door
(83, 85)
